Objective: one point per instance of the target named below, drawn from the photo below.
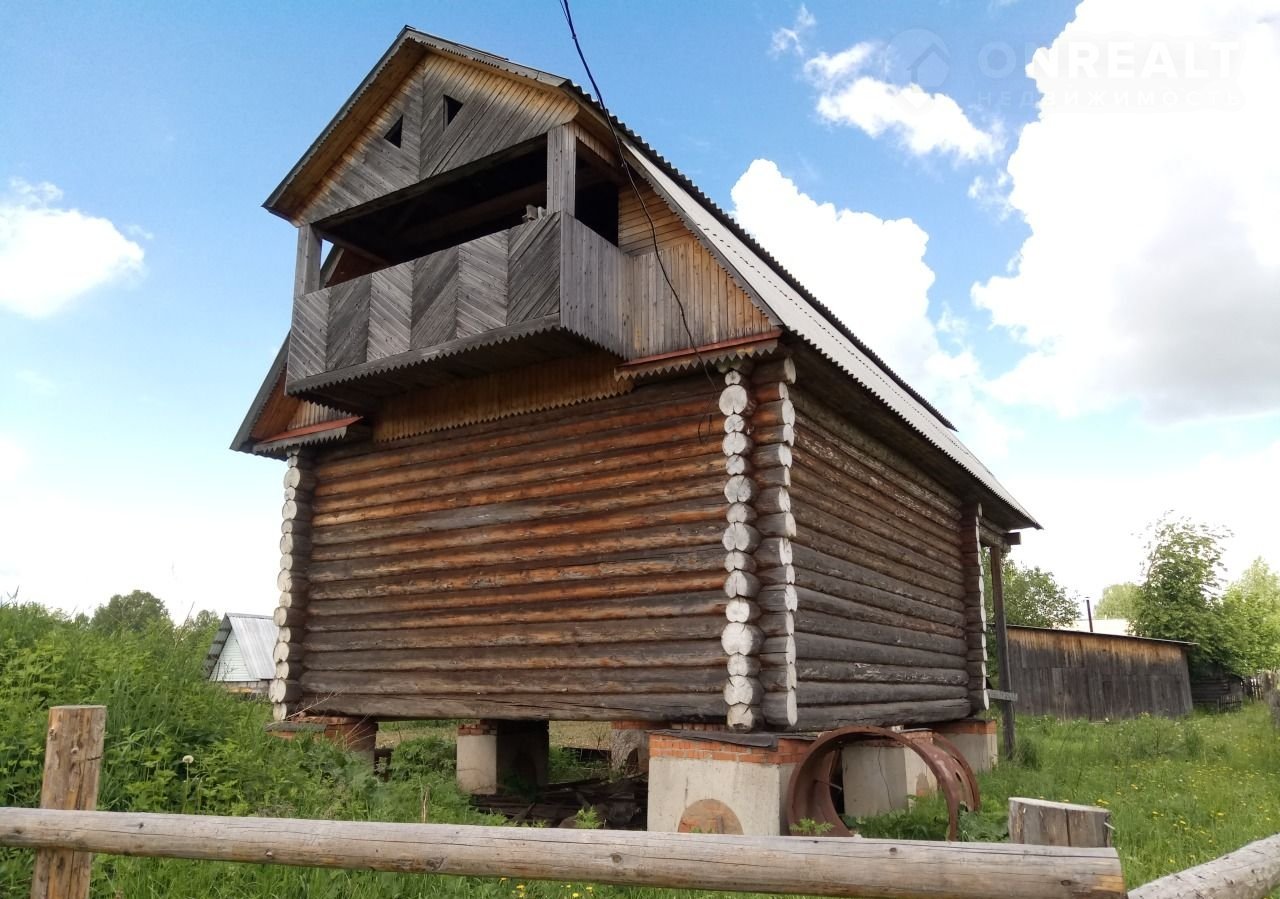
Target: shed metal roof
(256, 635)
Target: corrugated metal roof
(256, 637)
(771, 285)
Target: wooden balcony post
(306, 277)
(1002, 651)
(72, 765)
(562, 168)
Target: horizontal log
(744, 666)
(291, 582)
(779, 412)
(289, 671)
(708, 465)
(778, 598)
(295, 526)
(785, 434)
(289, 634)
(283, 691)
(736, 443)
(778, 651)
(668, 654)
(826, 866)
(887, 714)
(810, 693)
(812, 621)
(655, 563)
(299, 478)
(743, 717)
(820, 473)
(777, 624)
(289, 617)
(295, 510)
(544, 552)
(774, 552)
(525, 435)
(735, 423)
(474, 531)
(740, 537)
(772, 500)
(809, 559)
(774, 476)
(466, 512)
(671, 594)
(743, 610)
(865, 672)
(856, 611)
(736, 400)
(777, 575)
(737, 465)
(566, 679)
(472, 475)
(779, 524)
(781, 369)
(739, 489)
(816, 646)
(771, 455)
(294, 544)
(295, 599)
(781, 708)
(741, 511)
(887, 463)
(743, 691)
(287, 652)
(864, 594)
(741, 639)
(558, 633)
(741, 584)
(893, 563)
(733, 376)
(772, 392)
(584, 707)
(1250, 872)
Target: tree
(1032, 597)
(136, 612)
(1251, 619)
(1117, 601)
(1180, 595)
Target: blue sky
(1079, 262)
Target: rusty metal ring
(809, 792)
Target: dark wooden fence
(1074, 674)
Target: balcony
(539, 290)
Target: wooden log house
(563, 442)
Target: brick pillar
(493, 752)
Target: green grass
(1181, 792)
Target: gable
(445, 114)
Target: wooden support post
(562, 168)
(1043, 823)
(72, 765)
(306, 276)
(1008, 736)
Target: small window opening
(396, 133)
(451, 108)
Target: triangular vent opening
(451, 108)
(396, 133)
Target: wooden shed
(240, 655)
(1076, 674)
(564, 442)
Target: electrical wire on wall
(622, 158)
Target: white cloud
(791, 40)
(1151, 186)
(51, 255)
(1088, 551)
(872, 274)
(924, 122)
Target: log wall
(879, 571)
(560, 564)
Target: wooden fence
(1074, 674)
(65, 832)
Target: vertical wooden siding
(880, 617)
(1079, 675)
(561, 564)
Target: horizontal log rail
(821, 866)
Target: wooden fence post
(72, 765)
